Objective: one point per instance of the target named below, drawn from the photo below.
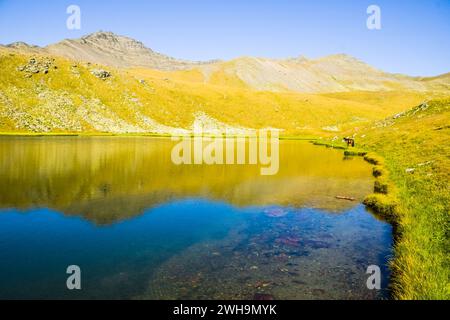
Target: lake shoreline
(410, 191)
(386, 200)
(156, 135)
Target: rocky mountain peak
(111, 40)
(110, 49)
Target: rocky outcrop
(36, 65)
(101, 74)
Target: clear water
(140, 227)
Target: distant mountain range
(335, 73)
(114, 84)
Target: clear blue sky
(414, 39)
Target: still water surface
(141, 227)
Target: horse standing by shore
(349, 141)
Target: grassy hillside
(416, 150)
(67, 97)
(411, 153)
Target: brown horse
(350, 142)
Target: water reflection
(141, 227)
(109, 179)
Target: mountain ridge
(333, 73)
(115, 50)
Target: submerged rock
(316, 244)
(318, 292)
(263, 296)
(289, 241)
(275, 212)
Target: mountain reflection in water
(141, 227)
(107, 179)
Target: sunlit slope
(412, 191)
(416, 151)
(69, 98)
(335, 73)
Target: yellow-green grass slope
(411, 157)
(416, 151)
(70, 99)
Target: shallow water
(141, 227)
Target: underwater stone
(263, 296)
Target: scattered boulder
(331, 128)
(398, 115)
(35, 66)
(101, 74)
(74, 70)
(410, 170)
(425, 163)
